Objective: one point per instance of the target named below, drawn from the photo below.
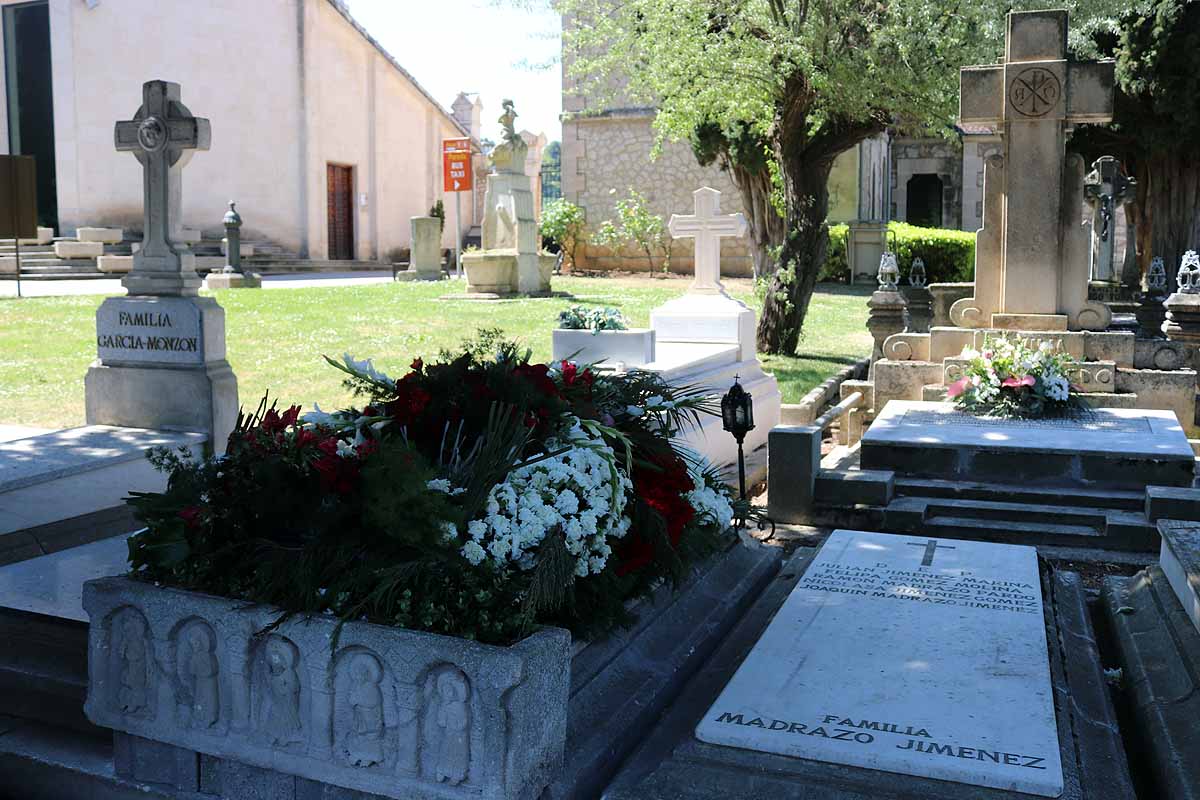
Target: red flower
(417, 365)
(273, 422)
(539, 376)
(665, 490)
(410, 400)
(569, 372)
(190, 516)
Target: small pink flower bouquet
(1011, 378)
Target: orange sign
(456, 165)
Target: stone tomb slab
(1118, 448)
(671, 762)
(904, 654)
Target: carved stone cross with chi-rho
(162, 136)
(1033, 99)
(707, 226)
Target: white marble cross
(707, 226)
(162, 136)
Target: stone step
(931, 487)
(43, 676)
(1022, 523)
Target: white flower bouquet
(1011, 378)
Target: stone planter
(546, 265)
(491, 272)
(398, 713)
(634, 347)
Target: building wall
(939, 157)
(288, 86)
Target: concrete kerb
(813, 403)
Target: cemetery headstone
(905, 654)
(161, 349)
(427, 247)
(1106, 188)
(1031, 262)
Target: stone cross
(1106, 187)
(931, 548)
(162, 136)
(1031, 264)
(707, 226)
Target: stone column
(886, 315)
(1151, 313)
(1183, 307)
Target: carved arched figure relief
(363, 743)
(133, 661)
(199, 673)
(279, 710)
(446, 750)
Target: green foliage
(1156, 51)
(636, 226)
(439, 210)
(582, 318)
(563, 223)
(949, 255)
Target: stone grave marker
(707, 226)
(1031, 264)
(906, 654)
(161, 350)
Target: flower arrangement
(581, 318)
(1010, 378)
(479, 495)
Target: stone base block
(1172, 503)
(933, 393)
(906, 347)
(1170, 390)
(78, 249)
(1116, 346)
(44, 236)
(202, 398)
(1108, 400)
(949, 342)
(406, 276)
(634, 348)
(492, 272)
(1179, 559)
(233, 280)
(1030, 322)
(794, 461)
(1158, 650)
(103, 235)
(903, 380)
(114, 264)
(944, 296)
(706, 317)
(1162, 354)
(8, 265)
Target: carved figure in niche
(201, 671)
(408, 709)
(281, 701)
(131, 696)
(447, 750)
(364, 743)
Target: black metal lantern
(737, 417)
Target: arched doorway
(924, 200)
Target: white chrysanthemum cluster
(712, 505)
(572, 492)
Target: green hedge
(949, 255)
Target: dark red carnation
(190, 516)
(664, 487)
(539, 376)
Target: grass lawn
(276, 337)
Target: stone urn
(392, 712)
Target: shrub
(438, 210)
(949, 255)
(563, 224)
(581, 318)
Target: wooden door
(340, 181)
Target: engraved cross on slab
(1026, 262)
(931, 548)
(162, 136)
(707, 226)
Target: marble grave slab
(905, 654)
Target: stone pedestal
(886, 318)
(918, 311)
(1183, 317)
(426, 257)
(944, 296)
(233, 280)
(865, 244)
(1151, 314)
(161, 364)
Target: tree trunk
(765, 226)
(1169, 200)
(806, 193)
